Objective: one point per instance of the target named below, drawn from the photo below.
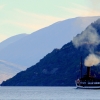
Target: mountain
(55, 69)
(8, 70)
(10, 40)
(26, 50)
(62, 66)
(30, 49)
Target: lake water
(48, 93)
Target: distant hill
(8, 70)
(11, 40)
(31, 48)
(62, 66)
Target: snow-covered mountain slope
(8, 70)
(30, 49)
(10, 40)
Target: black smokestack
(88, 72)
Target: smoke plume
(91, 60)
(89, 36)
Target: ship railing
(90, 83)
(82, 82)
(96, 82)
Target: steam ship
(87, 81)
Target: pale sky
(27, 16)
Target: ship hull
(94, 86)
(88, 87)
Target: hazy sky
(27, 16)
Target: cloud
(24, 25)
(95, 3)
(2, 6)
(33, 21)
(79, 10)
(39, 16)
(28, 22)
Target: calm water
(48, 93)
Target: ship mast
(81, 67)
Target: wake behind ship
(88, 81)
